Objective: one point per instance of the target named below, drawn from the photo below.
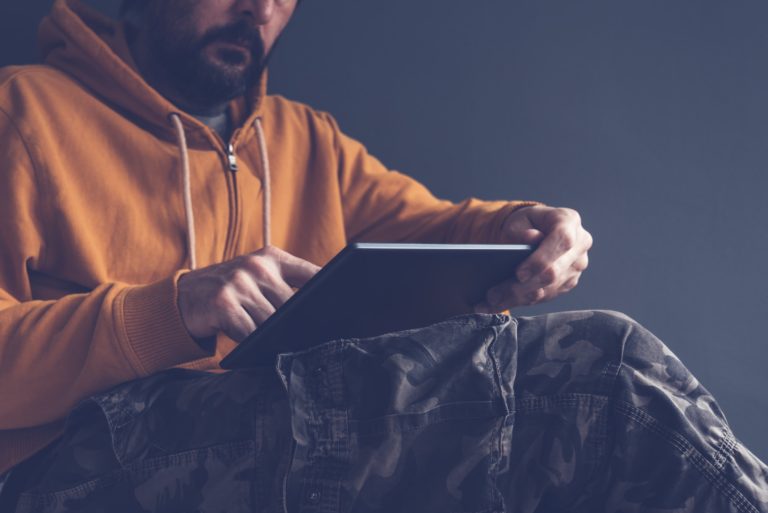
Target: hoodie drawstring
(187, 186)
(267, 184)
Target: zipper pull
(232, 158)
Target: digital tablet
(372, 289)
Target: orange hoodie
(94, 231)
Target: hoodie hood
(92, 48)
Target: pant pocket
(410, 422)
(178, 410)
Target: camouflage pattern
(577, 412)
(180, 441)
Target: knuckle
(262, 274)
(254, 259)
(223, 300)
(582, 264)
(565, 214)
(259, 268)
(567, 239)
(548, 276)
(573, 214)
(240, 278)
(274, 252)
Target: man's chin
(225, 69)
(210, 80)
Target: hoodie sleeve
(387, 206)
(53, 354)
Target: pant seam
(528, 404)
(711, 471)
(724, 449)
(497, 443)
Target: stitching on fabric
(530, 404)
(724, 449)
(686, 449)
(496, 443)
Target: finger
(239, 325)
(525, 236)
(566, 240)
(503, 293)
(557, 243)
(570, 284)
(570, 263)
(504, 296)
(557, 289)
(295, 271)
(549, 293)
(258, 308)
(277, 292)
(581, 263)
(526, 297)
(259, 281)
(513, 294)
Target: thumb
(524, 236)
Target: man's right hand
(236, 297)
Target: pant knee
(577, 352)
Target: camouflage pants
(572, 412)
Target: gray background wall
(649, 117)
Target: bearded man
(157, 206)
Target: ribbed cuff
(153, 329)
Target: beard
(210, 70)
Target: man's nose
(262, 11)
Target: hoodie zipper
(234, 202)
(232, 158)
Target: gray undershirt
(220, 123)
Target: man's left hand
(554, 267)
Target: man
(148, 182)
